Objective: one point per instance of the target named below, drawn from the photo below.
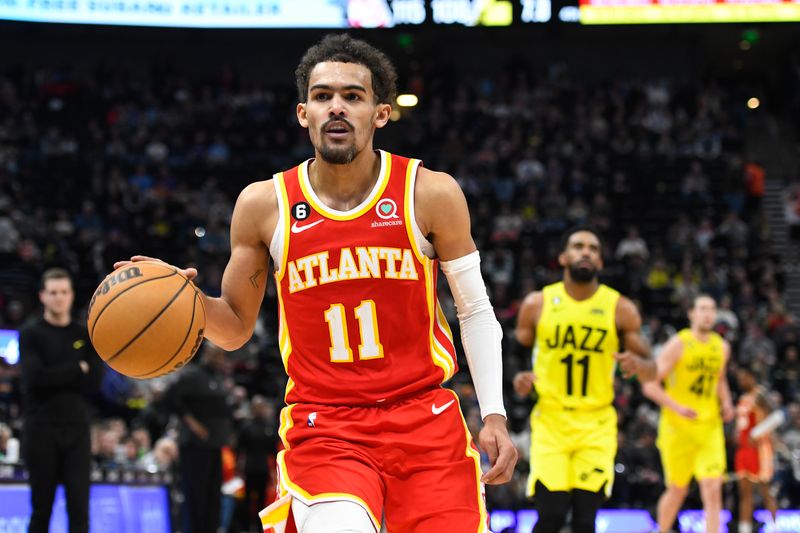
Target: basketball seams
(152, 321)
(188, 332)
(149, 334)
(126, 289)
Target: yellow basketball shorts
(691, 449)
(572, 449)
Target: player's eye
(321, 97)
(353, 97)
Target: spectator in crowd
(755, 345)
(105, 448)
(257, 446)
(199, 398)
(632, 247)
(162, 457)
(5, 435)
(791, 210)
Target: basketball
(146, 319)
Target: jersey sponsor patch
(386, 209)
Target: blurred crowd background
(100, 160)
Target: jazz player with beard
(576, 327)
(694, 401)
(356, 236)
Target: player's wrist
(494, 419)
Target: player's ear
(562, 260)
(301, 114)
(382, 114)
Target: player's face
(582, 256)
(703, 314)
(746, 380)
(57, 296)
(341, 113)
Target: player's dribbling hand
(190, 273)
(523, 383)
(494, 440)
(628, 363)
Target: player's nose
(338, 106)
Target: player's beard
(706, 329)
(582, 274)
(337, 155)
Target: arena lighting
(9, 347)
(395, 116)
(753, 103)
(744, 45)
(407, 100)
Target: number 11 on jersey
(370, 346)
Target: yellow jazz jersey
(694, 380)
(573, 357)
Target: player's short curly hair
(345, 49)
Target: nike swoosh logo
(300, 229)
(438, 410)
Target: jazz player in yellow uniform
(694, 401)
(575, 328)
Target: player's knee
(711, 492)
(679, 492)
(332, 517)
(552, 508)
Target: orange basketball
(146, 319)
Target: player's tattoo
(254, 277)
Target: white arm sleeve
(480, 332)
(770, 423)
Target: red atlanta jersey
(360, 323)
(746, 419)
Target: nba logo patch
(556, 300)
(311, 418)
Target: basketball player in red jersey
(355, 235)
(754, 459)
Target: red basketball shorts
(412, 462)
(755, 463)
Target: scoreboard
(279, 13)
(687, 11)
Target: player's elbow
(231, 343)
(648, 373)
(230, 338)
(649, 389)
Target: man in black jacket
(60, 369)
(199, 397)
(257, 444)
